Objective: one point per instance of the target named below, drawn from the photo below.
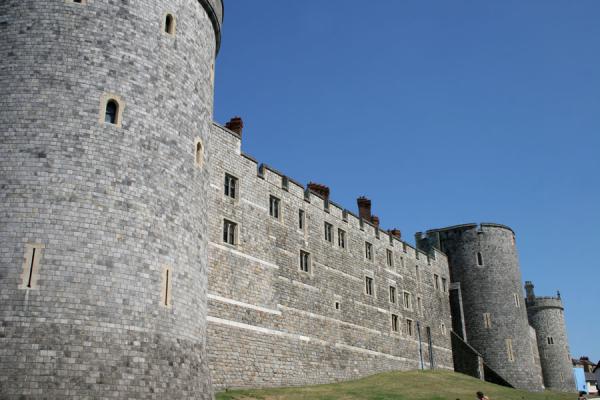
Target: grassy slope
(412, 385)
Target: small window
(229, 232)
(301, 219)
(112, 112)
(390, 258)
(402, 264)
(304, 261)
(417, 273)
(550, 340)
(328, 232)
(231, 184)
(369, 251)
(338, 305)
(517, 300)
(487, 320)
(407, 300)
(395, 326)
(409, 327)
(170, 24)
(199, 153)
(342, 238)
(393, 294)
(420, 305)
(436, 280)
(369, 285)
(443, 329)
(509, 350)
(167, 287)
(444, 289)
(274, 204)
(31, 266)
(479, 259)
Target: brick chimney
(319, 189)
(529, 291)
(375, 220)
(364, 208)
(395, 233)
(236, 124)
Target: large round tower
(483, 259)
(104, 121)
(547, 318)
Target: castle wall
(271, 324)
(492, 288)
(95, 213)
(546, 315)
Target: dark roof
(590, 377)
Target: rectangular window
(229, 232)
(31, 266)
(393, 294)
(231, 184)
(443, 329)
(342, 238)
(390, 258)
(301, 220)
(304, 261)
(328, 232)
(509, 350)
(166, 287)
(444, 285)
(369, 251)
(338, 305)
(550, 340)
(479, 259)
(274, 204)
(409, 327)
(517, 301)
(420, 305)
(394, 323)
(417, 274)
(436, 281)
(487, 320)
(407, 301)
(369, 285)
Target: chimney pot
(236, 124)
(375, 220)
(395, 233)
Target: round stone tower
(483, 259)
(547, 318)
(104, 122)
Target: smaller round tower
(546, 316)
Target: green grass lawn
(411, 385)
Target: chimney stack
(364, 208)
(319, 189)
(395, 233)
(375, 220)
(236, 124)
(529, 291)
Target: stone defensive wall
(271, 323)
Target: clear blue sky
(442, 112)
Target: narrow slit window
(369, 286)
(420, 305)
(407, 301)
(443, 329)
(509, 350)
(444, 289)
(337, 305)
(517, 300)
(417, 274)
(112, 112)
(436, 280)
(487, 320)
(369, 251)
(409, 327)
(328, 232)
(199, 153)
(390, 258)
(31, 265)
(479, 259)
(167, 287)
(301, 219)
(550, 340)
(170, 24)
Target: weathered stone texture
(546, 315)
(112, 206)
(495, 288)
(271, 324)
